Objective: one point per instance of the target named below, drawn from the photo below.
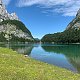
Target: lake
(65, 56)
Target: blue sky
(44, 16)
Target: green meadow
(14, 66)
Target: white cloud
(6, 2)
(41, 2)
(66, 7)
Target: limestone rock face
(14, 30)
(13, 16)
(11, 28)
(4, 15)
(75, 22)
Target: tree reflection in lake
(20, 48)
(65, 56)
(72, 53)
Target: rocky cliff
(75, 22)
(4, 15)
(11, 28)
(14, 29)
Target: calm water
(65, 56)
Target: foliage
(68, 36)
(2, 38)
(14, 66)
(19, 25)
(17, 39)
(13, 39)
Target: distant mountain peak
(4, 15)
(0, 2)
(78, 13)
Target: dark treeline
(68, 36)
(13, 39)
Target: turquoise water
(65, 56)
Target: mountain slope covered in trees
(14, 30)
(70, 35)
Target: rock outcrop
(4, 15)
(75, 22)
(11, 28)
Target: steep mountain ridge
(4, 15)
(11, 28)
(75, 23)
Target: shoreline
(18, 67)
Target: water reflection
(72, 53)
(20, 48)
(65, 56)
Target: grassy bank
(15, 66)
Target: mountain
(75, 23)
(11, 28)
(36, 40)
(4, 15)
(70, 35)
